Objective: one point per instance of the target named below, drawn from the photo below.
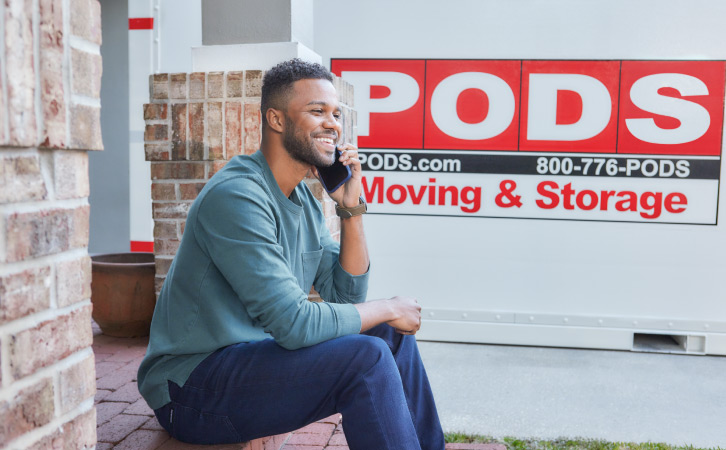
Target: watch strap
(357, 210)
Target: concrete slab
(498, 391)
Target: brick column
(50, 75)
(197, 122)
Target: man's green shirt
(246, 263)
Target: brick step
(276, 443)
(267, 443)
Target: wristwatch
(357, 210)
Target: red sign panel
(569, 106)
(628, 107)
(462, 98)
(671, 107)
(394, 90)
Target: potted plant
(122, 293)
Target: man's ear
(275, 119)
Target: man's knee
(367, 352)
(383, 331)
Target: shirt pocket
(310, 263)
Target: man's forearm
(353, 248)
(375, 312)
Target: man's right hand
(409, 321)
(402, 313)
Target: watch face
(342, 213)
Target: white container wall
(550, 210)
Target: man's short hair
(278, 81)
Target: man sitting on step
(236, 350)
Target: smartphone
(334, 176)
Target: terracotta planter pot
(122, 293)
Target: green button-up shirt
(246, 263)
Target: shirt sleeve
(237, 228)
(333, 283)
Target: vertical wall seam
(3, 80)
(156, 35)
(188, 129)
(53, 301)
(56, 393)
(242, 131)
(5, 361)
(39, 120)
(189, 125)
(3, 253)
(169, 122)
(205, 132)
(224, 130)
(66, 69)
(45, 158)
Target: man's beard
(303, 148)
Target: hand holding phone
(334, 176)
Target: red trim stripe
(141, 23)
(142, 246)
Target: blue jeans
(376, 380)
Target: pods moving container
(543, 173)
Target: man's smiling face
(312, 122)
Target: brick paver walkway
(125, 422)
